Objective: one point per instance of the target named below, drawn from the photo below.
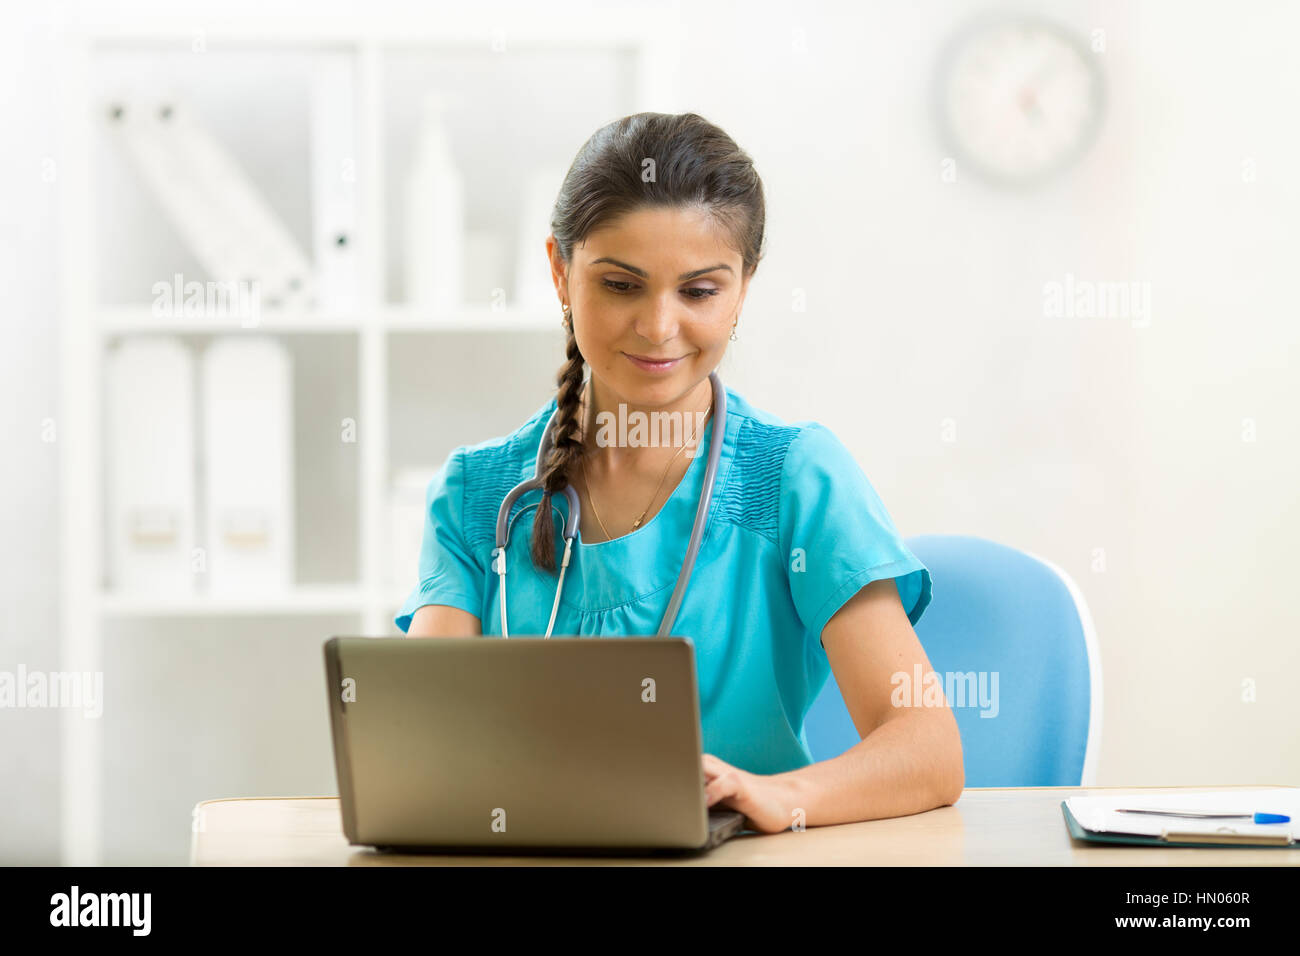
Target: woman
(656, 234)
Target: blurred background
(1034, 264)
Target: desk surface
(986, 827)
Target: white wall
(29, 466)
(924, 304)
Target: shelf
(140, 320)
(129, 320)
(472, 318)
(396, 370)
(303, 600)
(531, 29)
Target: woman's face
(654, 296)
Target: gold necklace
(637, 523)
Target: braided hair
(691, 163)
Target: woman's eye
(695, 292)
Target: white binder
(149, 451)
(248, 463)
(212, 203)
(334, 181)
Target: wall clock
(1019, 99)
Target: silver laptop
(524, 746)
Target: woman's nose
(658, 323)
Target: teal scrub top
(794, 530)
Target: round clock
(1018, 99)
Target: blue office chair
(997, 610)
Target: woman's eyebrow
(684, 277)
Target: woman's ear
(559, 271)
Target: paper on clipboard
(1098, 814)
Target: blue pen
(1257, 817)
(1272, 818)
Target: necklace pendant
(637, 523)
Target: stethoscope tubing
(504, 522)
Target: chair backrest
(1011, 636)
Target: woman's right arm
(441, 620)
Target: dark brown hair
(642, 160)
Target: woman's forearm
(908, 764)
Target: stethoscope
(571, 524)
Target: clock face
(1019, 99)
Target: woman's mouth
(650, 363)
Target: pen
(1257, 817)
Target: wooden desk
(986, 827)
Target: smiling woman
(656, 234)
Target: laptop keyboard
(719, 818)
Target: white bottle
(435, 216)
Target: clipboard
(1174, 837)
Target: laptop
(471, 745)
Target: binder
(1098, 820)
(212, 202)
(149, 414)
(248, 463)
(334, 148)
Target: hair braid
(695, 164)
(565, 451)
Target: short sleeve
(449, 573)
(836, 534)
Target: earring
(733, 328)
(567, 321)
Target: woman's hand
(763, 799)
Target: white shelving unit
(136, 320)
(89, 326)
